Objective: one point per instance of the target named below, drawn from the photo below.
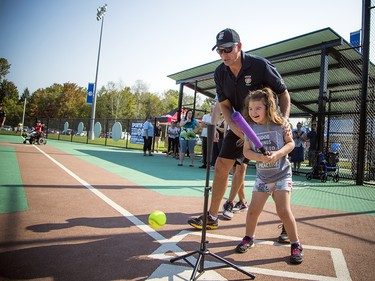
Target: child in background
(273, 171)
(38, 127)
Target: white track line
(137, 222)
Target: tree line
(68, 100)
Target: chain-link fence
(78, 130)
(344, 111)
(336, 108)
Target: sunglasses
(225, 50)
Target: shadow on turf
(110, 257)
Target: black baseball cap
(226, 38)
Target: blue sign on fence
(136, 133)
(90, 93)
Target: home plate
(169, 272)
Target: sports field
(71, 211)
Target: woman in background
(187, 137)
(147, 134)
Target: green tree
(25, 95)
(101, 103)
(9, 97)
(128, 103)
(150, 105)
(43, 102)
(139, 88)
(4, 68)
(14, 112)
(115, 101)
(170, 101)
(72, 102)
(59, 101)
(8, 90)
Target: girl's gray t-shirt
(272, 138)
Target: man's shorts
(269, 188)
(230, 149)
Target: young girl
(274, 174)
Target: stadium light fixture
(100, 13)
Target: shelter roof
(299, 61)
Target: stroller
(326, 165)
(34, 137)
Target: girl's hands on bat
(271, 157)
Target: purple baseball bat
(248, 131)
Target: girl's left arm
(287, 148)
(289, 143)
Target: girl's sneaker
(240, 206)
(296, 256)
(245, 244)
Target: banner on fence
(136, 133)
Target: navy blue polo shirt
(256, 73)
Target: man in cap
(237, 75)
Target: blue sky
(56, 41)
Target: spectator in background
(158, 132)
(147, 134)
(312, 137)
(3, 115)
(298, 153)
(187, 137)
(172, 132)
(206, 120)
(177, 140)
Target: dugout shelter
(324, 76)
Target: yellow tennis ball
(157, 219)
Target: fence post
(366, 14)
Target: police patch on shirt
(248, 80)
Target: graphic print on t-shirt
(269, 141)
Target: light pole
(23, 115)
(99, 16)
